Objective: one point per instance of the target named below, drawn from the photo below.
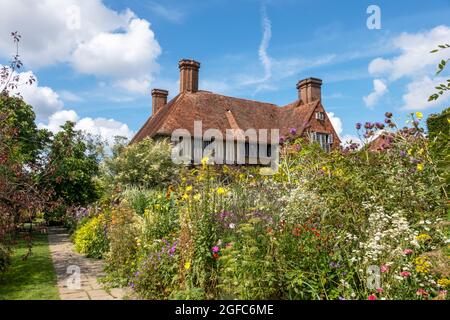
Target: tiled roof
(223, 112)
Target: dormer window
(320, 116)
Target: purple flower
(402, 153)
(282, 139)
(379, 125)
(215, 249)
(358, 126)
(388, 114)
(293, 131)
(387, 120)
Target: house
(223, 114)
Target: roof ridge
(237, 98)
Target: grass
(33, 278)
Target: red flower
(372, 297)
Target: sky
(96, 61)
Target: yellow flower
(187, 265)
(420, 166)
(419, 115)
(197, 197)
(443, 282)
(423, 237)
(188, 188)
(204, 161)
(185, 197)
(221, 191)
(410, 152)
(422, 265)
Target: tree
(76, 164)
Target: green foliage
(145, 164)
(439, 135)
(76, 165)
(443, 87)
(91, 239)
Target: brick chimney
(159, 99)
(188, 75)
(309, 90)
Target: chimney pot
(189, 70)
(159, 99)
(309, 90)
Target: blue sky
(96, 61)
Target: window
(324, 139)
(320, 116)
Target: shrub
(123, 235)
(90, 238)
(145, 164)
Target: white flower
(232, 225)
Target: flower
(197, 197)
(187, 265)
(407, 251)
(293, 131)
(380, 290)
(231, 225)
(423, 237)
(419, 166)
(204, 161)
(388, 114)
(358, 126)
(215, 249)
(422, 292)
(384, 268)
(443, 282)
(405, 274)
(215, 256)
(189, 188)
(221, 191)
(372, 297)
(419, 115)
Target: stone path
(77, 275)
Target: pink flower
(215, 249)
(405, 274)
(384, 268)
(380, 290)
(407, 251)
(421, 292)
(372, 297)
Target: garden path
(77, 275)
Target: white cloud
(348, 139)
(69, 96)
(93, 38)
(107, 129)
(415, 57)
(415, 63)
(336, 122)
(172, 14)
(132, 52)
(418, 91)
(267, 35)
(44, 100)
(379, 90)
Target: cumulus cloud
(44, 100)
(336, 122)
(119, 54)
(91, 37)
(379, 90)
(415, 57)
(107, 129)
(418, 91)
(415, 63)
